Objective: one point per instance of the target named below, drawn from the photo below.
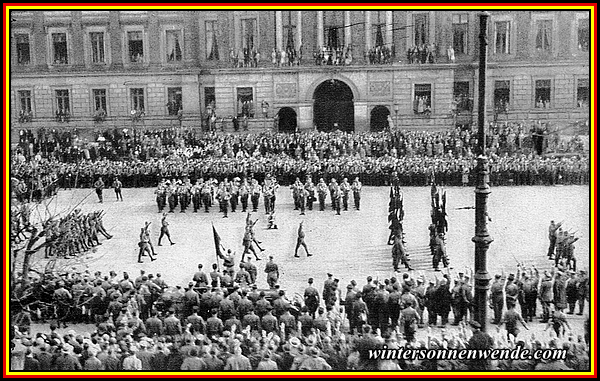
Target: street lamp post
(482, 239)
(396, 110)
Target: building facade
(324, 69)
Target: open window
(174, 51)
(59, 47)
(542, 93)
(245, 102)
(135, 41)
(501, 96)
(174, 100)
(23, 50)
(422, 100)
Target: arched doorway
(334, 107)
(287, 120)
(379, 118)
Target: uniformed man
(345, 187)
(184, 191)
(255, 190)
(196, 192)
(200, 277)
(310, 189)
(311, 298)
(62, 299)
(207, 195)
(510, 320)
(439, 252)
(546, 296)
(271, 224)
(572, 292)
(583, 289)
(117, 185)
(295, 188)
(164, 230)
(229, 260)
(322, 192)
(529, 288)
(161, 195)
(251, 268)
(99, 185)
(234, 190)
(552, 237)
(511, 290)
(247, 242)
(272, 271)
(172, 196)
(336, 196)
(356, 189)
(300, 242)
(244, 194)
(223, 196)
(144, 245)
(302, 196)
(333, 186)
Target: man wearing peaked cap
(311, 298)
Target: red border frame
(272, 6)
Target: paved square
(351, 246)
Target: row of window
(245, 103)
(334, 38)
(542, 94)
(99, 101)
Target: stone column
(361, 120)
(347, 30)
(368, 31)
(320, 36)
(305, 116)
(279, 30)
(299, 29)
(389, 26)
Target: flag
(217, 244)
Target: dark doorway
(287, 120)
(334, 107)
(379, 119)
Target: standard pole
(482, 238)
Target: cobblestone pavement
(351, 246)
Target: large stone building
(105, 69)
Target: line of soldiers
(555, 290)
(438, 227)
(74, 233)
(229, 194)
(562, 246)
(306, 194)
(35, 186)
(396, 237)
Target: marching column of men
(247, 192)
(339, 193)
(74, 234)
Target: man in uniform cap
(272, 271)
(583, 290)
(571, 291)
(497, 298)
(311, 298)
(300, 242)
(479, 340)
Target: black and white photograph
(299, 189)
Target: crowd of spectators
(46, 160)
(224, 322)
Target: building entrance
(333, 107)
